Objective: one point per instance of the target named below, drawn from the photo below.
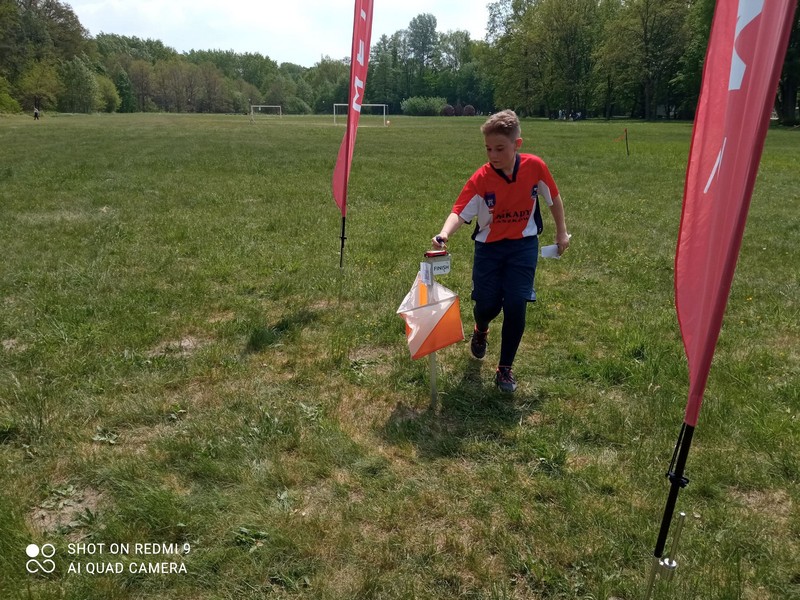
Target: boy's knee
(484, 310)
(515, 304)
(487, 302)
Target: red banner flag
(359, 62)
(743, 62)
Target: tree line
(604, 58)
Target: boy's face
(502, 151)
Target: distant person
(35, 113)
(504, 197)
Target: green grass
(183, 362)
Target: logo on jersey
(490, 200)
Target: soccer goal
(268, 110)
(371, 115)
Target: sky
(296, 31)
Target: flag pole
(359, 67)
(678, 481)
(344, 191)
(341, 251)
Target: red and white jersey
(507, 208)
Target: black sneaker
(478, 344)
(504, 380)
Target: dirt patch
(222, 317)
(534, 419)
(325, 304)
(776, 505)
(184, 347)
(139, 440)
(376, 360)
(13, 345)
(55, 216)
(66, 510)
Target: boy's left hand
(562, 240)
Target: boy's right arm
(451, 224)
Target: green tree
(567, 33)
(140, 73)
(301, 89)
(107, 95)
(391, 63)
(690, 72)
(611, 77)
(12, 56)
(214, 95)
(280, 90)
(193, 81)
(125, 91)
(655, 34)
(517, 65)
(257, 70)
(244, 94)
(33, 36)
(382, 81)
(476, 77)
(171, 81)
(113, 45)
(502, 16)
(226, 61)
(7, 103)
(69, 38)
(423, 46)
(40, 84)
(327, 78)
(79, 87)
(459, 76)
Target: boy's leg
(487, 285)
(517, 285)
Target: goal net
(371, 115)
(267, 110)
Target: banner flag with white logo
(359, 63)
(743, 63)
(740, 76)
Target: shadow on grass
(473, 410)
(262, 337)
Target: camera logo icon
(46, 565)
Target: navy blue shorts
(504, 271)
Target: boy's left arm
(562, 237)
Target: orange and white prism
(433, 318)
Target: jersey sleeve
(547, 185)
(468, 201)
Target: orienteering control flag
(433, 318)
(743, 62)
(359, 63)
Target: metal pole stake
(434, 391)
(665, 567)
(438, 263)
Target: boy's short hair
(504, 123)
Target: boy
(504, 196)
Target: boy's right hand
(439, 241)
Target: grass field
(184, 364)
